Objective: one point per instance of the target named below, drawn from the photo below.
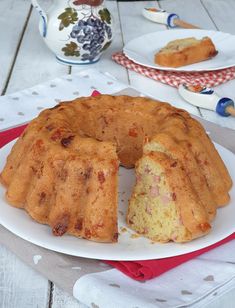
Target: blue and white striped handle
(160, 16)
(206, 98)
(172, 20)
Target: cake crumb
(121, 212)
(123, 229)
(135, 235)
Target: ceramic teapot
(77, 31)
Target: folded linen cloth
(173, 78)
(201, 282)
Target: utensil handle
(43, 16)
(183, 24)
(231, 110)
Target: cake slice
(185, 51)
(164, 206)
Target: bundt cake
(63, 169)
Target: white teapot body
(76, 33)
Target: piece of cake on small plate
(185, 51)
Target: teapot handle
(43, 16)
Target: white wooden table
(26, 61)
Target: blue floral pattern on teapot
(77, 33)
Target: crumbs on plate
(135, 235)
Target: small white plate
(142, 49)
(19, 222)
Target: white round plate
(142, 49)
(128, 248)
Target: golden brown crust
(201, 50)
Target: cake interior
(152, 209)
(180, 44)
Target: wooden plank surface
(61, 299)
(35, 63)
(20, 286)
(222, 14)
(191, 11)
(9, 40)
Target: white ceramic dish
(142, 49)
(127, 248)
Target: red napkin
(138, 270)
(144, 270)
(11, 134)
(174, 79)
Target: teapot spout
(43, 24)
